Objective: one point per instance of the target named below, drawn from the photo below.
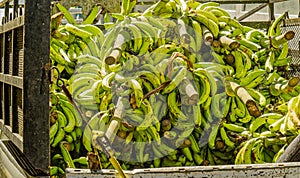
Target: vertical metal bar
(36, 92)
(15, 52)
(6, 93)
(6, 96)
(14, 110)
(1, 52)
(271, 12)
(299, 8)
(1, 101)
(15, 10)
(15, 67)
(6, 11)
(6, 41)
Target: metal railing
(24, 88)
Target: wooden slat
(12, 80)
(2, 3)
(252, 11)
(292, 22)
(16, 23)
(16, 138)
(36, 84)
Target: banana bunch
(181, 84)
(65, 132)
(72, 40)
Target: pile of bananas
(183, 83)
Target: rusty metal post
(271, 12)
(35, 84)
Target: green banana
(216, 107)
(178, 77)
(70, 117)
(194, 145)
(53, 130)
(66, 13)
(240, 70)
(198, 37)
(138, 91)
(92, 15)
(81, 160)
(234, 127)
(210, 24)
(258, 96)
(66, 155)
(225, 137)
(77, 31)
(187, 153)
(106, 81)
(251, 75)
(204, 87)
(202, 6)
(172, 104)
(213, 135)
(137, 37)
(149, 76)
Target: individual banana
(178, 77)
(234, 127)
(66, 155)
(81, 160)
(240, 70)
(66, 13)
(202, 6)
(244, 155)
(210, 24)
(137, 37)
(225, 137)
(279, 153)
(77, 31)
(258, 96)
(213, 135)
(269, 65)
(251, 75)
(53, 130)
(71, 119)
(194, 145)
(92, 15)
(203, 87)
(138, 91)
(88, 59)
(172, 104)
(216, 107)
(106, 81)
(149, 76)
(198, 37)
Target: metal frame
(264, 3)
(24, 86)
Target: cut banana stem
(229, 58)
(208, 36)
(166, 125)
(216, 44)
(279, 40)
(113, 57)
(116, 52)
(225, 41)
(185, 37)
(294, 81)
(190, 91)
(247, 99)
